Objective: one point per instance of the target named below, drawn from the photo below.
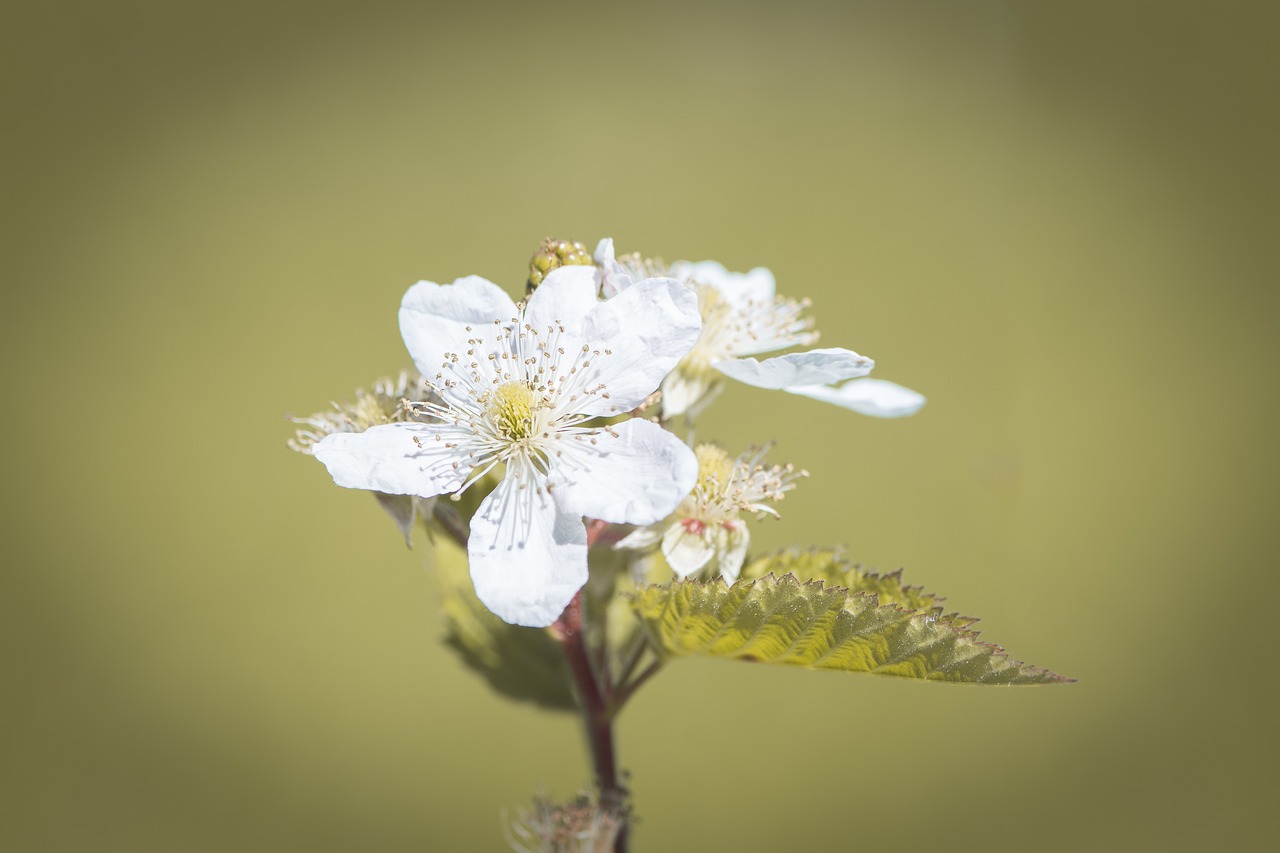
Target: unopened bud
(553, 254)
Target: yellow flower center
(712, 344)
(511, 407)
(715, 468)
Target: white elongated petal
(875, 397)
(815, 367)
(527, 559)
(640, 539)
(688, 394)
(733, 551)
(647, 328)
(686, 552)
(635, 474)
(604, 254)
(756, 285)
(613, 278)
(387, 459)
(564, 298)
(434, 318)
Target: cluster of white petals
(537, 396)
(742, 317)
(708, 524)
(525, 386)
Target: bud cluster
(553, 254)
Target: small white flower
(517, 385)
(742, 316)
(708, 523)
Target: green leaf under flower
(818, 624)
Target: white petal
(527, 559)
(434, 317)
(564, 298)
(733, 551)
(876, 397)
(387, 459)
(613, 276)
(688, 394)
(604, 254)
(815, 367)
(635, 475)
(647, 329)
(640, 539)
(686, 552)
(756, 285)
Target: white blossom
(708, 524)
(523, 386)
(743, 316)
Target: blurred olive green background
(1056, 219)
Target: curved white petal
(640, 539)
(527, 559)
(564, 298)
(686, 552)
(815, 367)
(613, 278)
(756, 285)
(604, 254)
(387, 459)
(876, 397)
(688, 393)
(642, 334)
(434, 318)
(733, 551)
(635, 473)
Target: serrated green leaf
(781, 620)
(525, 664)
(830, 565)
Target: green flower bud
(552, 254)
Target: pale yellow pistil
(511, 407)
(713, 343)
(708, 502)
(715, 468)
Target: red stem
(596, 714)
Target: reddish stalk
(596, 712)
